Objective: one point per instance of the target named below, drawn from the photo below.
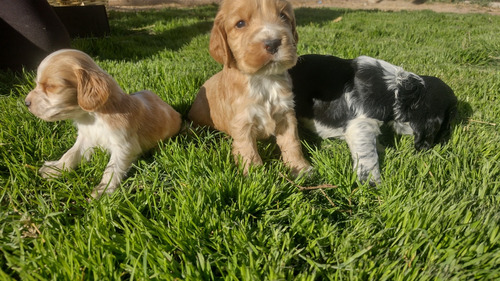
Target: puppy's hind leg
(199, 113)
(361, 136)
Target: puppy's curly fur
(352, 98)
(251, 98)
(70, 85)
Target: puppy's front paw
(246, 163)
(302, 170)
(101, 189)
(247, 166)
(50, 170)
(371, 176)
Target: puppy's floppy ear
(219, 48)
(294, 29)
(93, 89)
(412, 91)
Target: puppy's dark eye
(284, 17)
(241, 24)
(49, 87)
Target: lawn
(186, 211)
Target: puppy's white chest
(97, 133)
(270, 98)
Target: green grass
(187, 212)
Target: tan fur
(251, 98)
(70, 85)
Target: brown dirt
(399, 5)
(384, 5)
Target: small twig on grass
(327, 198)
(427, 166)
(320, 187)
(482, 122)
(30, 166)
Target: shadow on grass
(7, 81)
(139, 35)
(306, 16)
(464, 111)
(14, 82)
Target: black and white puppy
(352, 98)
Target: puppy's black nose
(272, 45)
(27, 103)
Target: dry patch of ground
(384, 5)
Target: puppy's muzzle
(272, 45)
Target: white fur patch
(351, 103)
(269, 31)
(322, 130)
(363, 124)
(392, 74)
(98, 133)
(394, 77)
(402, 128)
(271, 98)
(361, 136)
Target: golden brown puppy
(251, 98)
(70, 85)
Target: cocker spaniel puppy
(251, 98)
(70, 85)
(352, 98)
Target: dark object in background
(30, 30)
(84, 21)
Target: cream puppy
(251, 98)
(70, 85)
